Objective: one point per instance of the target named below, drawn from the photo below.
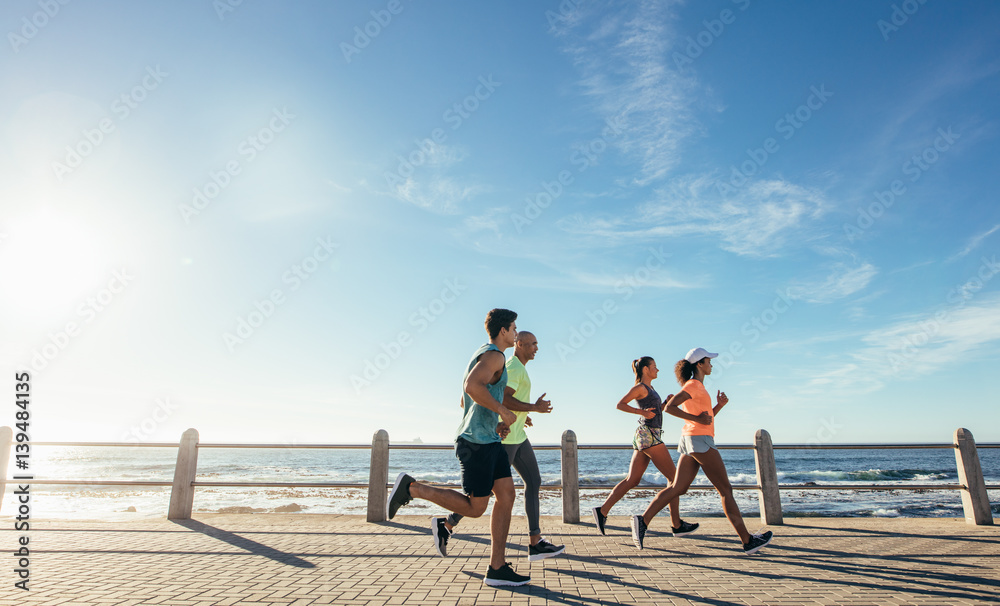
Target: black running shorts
(482, 464)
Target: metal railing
(971, 485)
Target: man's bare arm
(481, 375)
(512, 403)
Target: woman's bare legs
(715, 471)
(687, 469)
(661, 459)
(635, 470)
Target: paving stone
(302, 559)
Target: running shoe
(441, 536)
(504, 577)
(599, 519)
(638, 530)
(543, 549)
(757, 542)
(685, 528)
(400, 494)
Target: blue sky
(285, 222)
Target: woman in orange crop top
(697, 450)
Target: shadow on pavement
(821, 568)
(244, 543)
(559, 597)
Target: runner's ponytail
(684, 371)
(638, 365)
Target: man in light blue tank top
(485, 468)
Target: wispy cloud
(842, 281)
(338, 187)
(916, 346)
(442, 195)
(604, 283)
(622, 59)
(490, 220)
(974, 243)
(912, 266)
(906, 123)
(607, 281)
(427, 184)
(758, 220)
(437, 155)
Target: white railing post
(767, 478)
(6, 439)
(975, 500)
(378, 477)
(570, 478)
(185, 472)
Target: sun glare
(48, 262)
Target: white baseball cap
(695, 355)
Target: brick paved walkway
(304, 559)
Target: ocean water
(842, 466)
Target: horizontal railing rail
(112, 444)
(408, 446)
(545, 487)
(96, 482)
(971, 483)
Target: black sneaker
(685, 528)
(638, 530)
(757, 542)
(543, 549)
(441, 536)
(504, 577)
(599, 519)
(400, 494)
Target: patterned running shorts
(646, 437)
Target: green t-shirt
(517, 379)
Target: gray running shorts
(694, 444)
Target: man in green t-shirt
(517, 396)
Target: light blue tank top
(479, 424)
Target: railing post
(6, 439)
(182, 493)
(570, 478)
(975, 500)
(378, 477)
(767, 479)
